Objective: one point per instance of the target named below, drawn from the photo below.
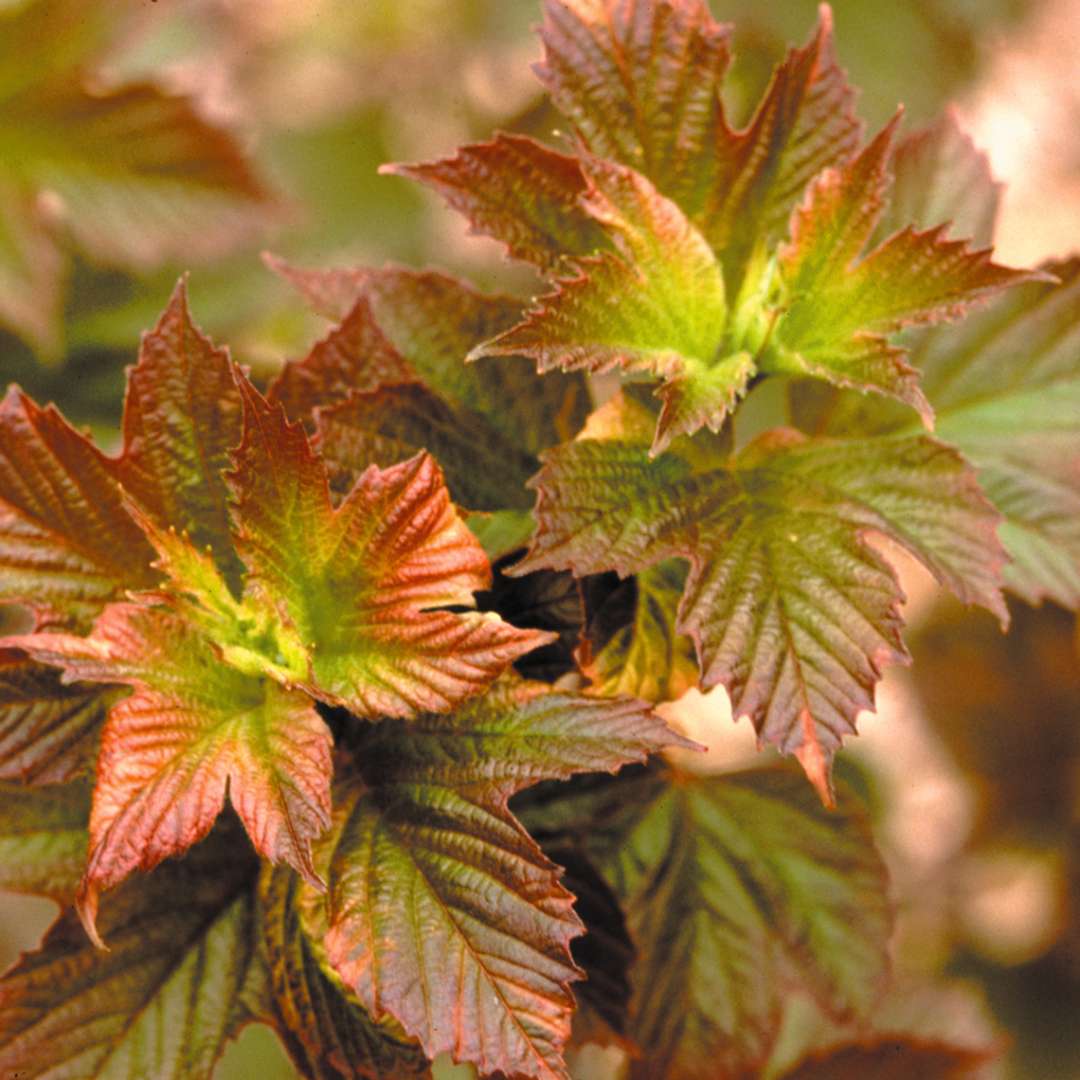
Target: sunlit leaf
(518, 191)
(67, 546)
(366, 584)
(193, 729)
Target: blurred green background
(974, 760)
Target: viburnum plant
(283, 601)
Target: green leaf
(65, 555)
(366, 584)
(48, 728)
(804, 123)
(433, 321)
(193, 729)
(789, 606)
(641, 83)
(443, 912)
(673, 329)
(1005, 385)
(841, 303)
(43, 839)
(327, 1033)
(166, 997)
(182, 416)
(518, 191)
(484, 470)
(738, 888)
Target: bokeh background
(972, 763)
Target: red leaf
(193, 728)
(361, 582)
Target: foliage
(369, 779)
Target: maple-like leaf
(675, 326)
(433, 321)
(166, 997)
(518, 191)
(194, 728)
(135, 174)
(630, 644)
(327, 1033)
(1005, 386)
(840, 303)
(789, 606)
(182, 416)
(363, 582)
(484, 469)
(67, 546)
(67, 554)
(738, 889)
(698, 213)
(43, 838)
(443, 912)
(641, 83)
(48, 728)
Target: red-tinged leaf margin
(193, 730)
(367, 583)
(65, 560)
(182, 417)
(432, 804)
(517, 191)
(354, 357)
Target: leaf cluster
(272, 668)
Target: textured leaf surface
(327, 1033)
(443, 912)
(940, 176)
(630, 644)
(362, 583)
(674, 328)
(518, 191)
(354, 356)
(789, 606)
(181, 419)
(641, 82)
(433, 321)
(194, 728)
(167, 996)
(43, 838)
(738, 887)
(484, 470)
(1005, 385)
(48, 728)
(67, 546)
(842, 302)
